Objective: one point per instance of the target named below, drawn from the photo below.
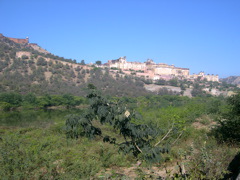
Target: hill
(232, 80)
(28, 68)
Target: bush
(41, 62)
(11, 98)
(5, 106)
(141, 140)
(24, 57)
(208, 161)
(228, 129)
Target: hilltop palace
(151, 70)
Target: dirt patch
(48, 75)
(156, 88)
(204, 122)
(138, 172)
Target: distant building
(155, 71)
(202, 76)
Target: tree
(82, 62)
(142, 140)
(98, 62)
(182, 86)
(11, 98)
(45, 101)
(30, 98)
(161, 82)
(24, 57)
(228, 129)
(173, 82)
(197, 91)
(41, 62)
(68, 100)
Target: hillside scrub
(42, 73)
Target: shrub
(24, 57)
(11, 98)
(228, 129)
(5, 106)
(41, 62)
(139, 139)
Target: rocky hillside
(24, 69)
(232, 80)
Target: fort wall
(19, 41)
(202, 76)
(26, 42)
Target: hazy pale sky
(203, 35)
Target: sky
(202, 35)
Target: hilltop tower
(27, 39)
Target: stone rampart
(19, 41)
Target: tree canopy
(142, 140)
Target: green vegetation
(11, 101)
(50, 130)
(40, 149)
(42, 153)
(139, 139)
(228, 129)
(199, 87)
(98, 62)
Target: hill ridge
(24, 69)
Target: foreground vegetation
(129, 134)
(199, 151)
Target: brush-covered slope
(23, 70)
